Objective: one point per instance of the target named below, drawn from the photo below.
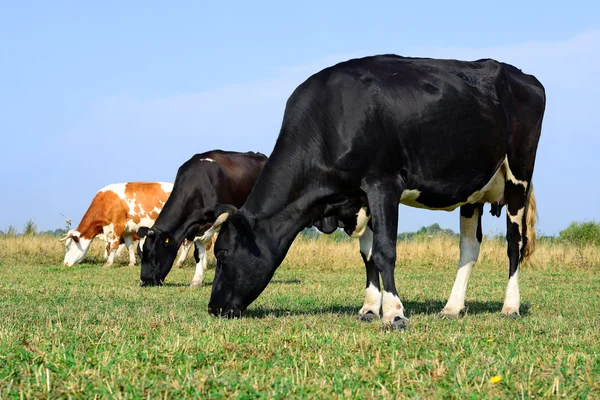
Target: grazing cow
(201, 183)
(362, 136)
(116, 212)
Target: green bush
(30, 228)
(582, 233)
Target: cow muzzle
(150, 282)
(224, 312)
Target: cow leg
(383, 203)
(120, 249)
(470, 241)
(106, 249)
(516, 236)
(184, 252)
(372, 304)
(130, 247)
(200, 265)
(113, 238)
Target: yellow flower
(490, 340)
(496, 379)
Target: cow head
(158, 253)
(245, 264)
(76, 247)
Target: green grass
(88, 331)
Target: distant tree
(582, 233)
(12, 231)
(59, 232)
(30, 228)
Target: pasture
(87, 331)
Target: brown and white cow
(116, 213)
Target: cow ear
(143, 231)
(243, 223)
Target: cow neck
(90, 225)
(281, 201)
(174, 219)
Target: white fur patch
(201, 265)
(409, 195)
(117, 188)
(512, 300)
(469, 252)
(366, 243)
(207, 159)
(372, 300)
(75, 252)
(518, 219)
(392, 307)
(185, 248)
(491, 192)
(511, 177)
(167, 187)
(130, 247)
(361, 223)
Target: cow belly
(491, 192)
(132, 226)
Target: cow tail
(531, 219)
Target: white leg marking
(511, 177)
(518, 219)
(111, 239)
(469, 252)
(392, 307)
(111, 257)
(129, 243)
(184, 252)
(105, 247)
(366, 243)
(512, 300)
(200, 266)
(372, 301)
(120, 249)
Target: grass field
(88, 331)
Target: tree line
(579, 233)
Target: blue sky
(92, 94)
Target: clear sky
(93, 93)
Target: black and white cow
(201, 183)
(362, 136)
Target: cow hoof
(107, 266)
(510, 312)
(369, 316)
(453, 314)
(195, 283)
(398, 324)
(131, 265)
